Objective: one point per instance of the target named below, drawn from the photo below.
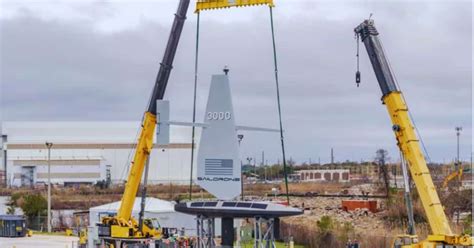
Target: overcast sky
(97, 60)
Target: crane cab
(404, 241)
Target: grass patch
(278, 245)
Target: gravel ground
(316, 207)
(39, 241)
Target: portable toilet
(12, 226)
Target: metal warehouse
(86, 152)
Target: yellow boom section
(410, 147)
(144, 146)
(452, 176)
(220, 4)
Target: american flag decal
(219, 167)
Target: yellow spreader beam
(221, 4)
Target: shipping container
(12, 226)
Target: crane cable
(285, 170)
(427, 155)
(357, 56)
(194, 108)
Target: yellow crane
(123, 228)
(455, 174)
(408, 143)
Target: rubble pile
(317, 207)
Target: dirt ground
(40, 241)
(321, 206)
(317, 207)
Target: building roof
(322, 170)
(153, 205)
(31, 132)
(11, 217)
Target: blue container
(12, 226)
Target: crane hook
(357, 78)
(357, 56)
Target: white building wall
(167, 165)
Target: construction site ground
(362, 220)
(315, 201)
(40, 241)
(321, 206)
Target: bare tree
(380, 158)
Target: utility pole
(265, 172)
(240, 137)
(255, 166)
(471, 160)
(407, 196)
(332, 155)
(458, 133)
(49, 145)
(4, 156)
(394, 172)
(270, 171)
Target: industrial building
(87, 152)
(337, 175)
(367, 169)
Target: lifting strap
(196, 62)
(196, 56)
(275, 62)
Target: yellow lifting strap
(220, 4)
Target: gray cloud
(68, 69)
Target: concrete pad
(40, 241)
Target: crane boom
(403, 127)
(455, 174)
(145, 141)
(123, 225)
(167, 63)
